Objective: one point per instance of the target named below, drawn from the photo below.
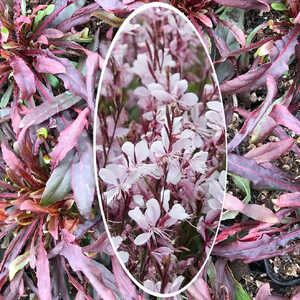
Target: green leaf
(6, 96)
(240, 293)
(59, 183)
(4, 34)
(53, 80)
(108, 18)
(243, 185)
(234, 16)
(42, 14)
(18, 264)
(23, 7)
(279, 6)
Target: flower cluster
(160, 145)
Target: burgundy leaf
(68, 138)
(253, 211)
(16, 165)
(280, 132)
(52, 33)
(204, 19)
(234, 229)
(260, 176)
(46, 110)
(245, 4)
(282, 116)
(279, 56)
(79, 262)
(81, 16)
(42, 270)
(236, 31)
(44, 64)
(255, 116)
(82, 176)
(23, 76)
(259, 249)
(288, 200)
(49, 19)
(73, 79)
(92, 63)
(270, 151)
(124, 284)
(25, 151)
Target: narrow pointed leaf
(46, 110)
(68, 138)
(82, 176)
(23, 76)
(270, 151)
(59, 183)
(258, 175)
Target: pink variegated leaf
(270, 151)
(288, 200)
(279, 56)
(236, 31)
(254, 211)
(282, 116)
(261, 248)
(254, 117)
(260, 176)
(68, 138)
(204, 19)
(246, 4)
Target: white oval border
(215, 78)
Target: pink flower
(148, 221)
(177, 95)
(119, 180)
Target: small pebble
(286, 167)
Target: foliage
(49, 67)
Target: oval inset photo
(160, 149)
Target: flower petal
(152, 213)
(174, 172)
(137, 215)
(142, 238)
(108, 176)
(128, 149)
(188, 100)
(178, 212)
(141, 151)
